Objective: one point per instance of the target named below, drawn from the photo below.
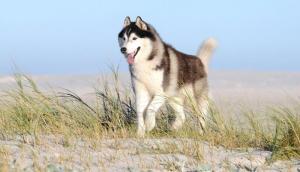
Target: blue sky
(70, 36)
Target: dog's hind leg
(153, 107)
(203, 105)
(177, 105)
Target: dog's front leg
(142, 101)
(156, 103)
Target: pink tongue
(130, 58)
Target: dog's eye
(134, 38)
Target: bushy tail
(206, 50)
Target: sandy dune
(133, 155)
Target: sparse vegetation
(27, 111)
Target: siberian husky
(160, 73)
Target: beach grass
(25, 111)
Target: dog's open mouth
(131, 56)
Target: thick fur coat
(160, 73)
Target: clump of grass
(278, 131)
(26, 110)
(286, 140)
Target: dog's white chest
(150, 78)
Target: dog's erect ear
(127, 21)
(140, 23)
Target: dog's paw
(140, 132)
(149, 123)
(176, 125)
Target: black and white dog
(160, 73)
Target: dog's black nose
(123, 50)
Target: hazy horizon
(74, 37)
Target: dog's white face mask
(133, 46)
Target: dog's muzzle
(123, 50)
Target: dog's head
(136, 40)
